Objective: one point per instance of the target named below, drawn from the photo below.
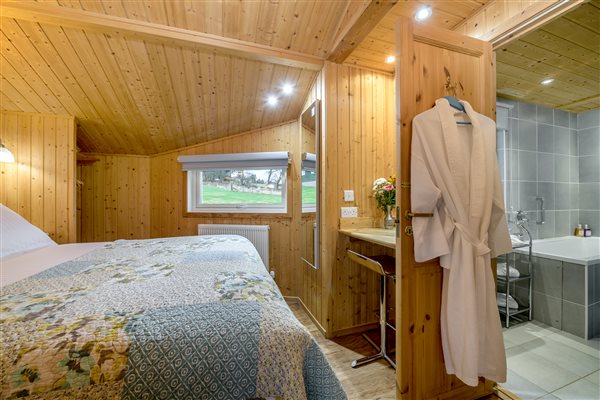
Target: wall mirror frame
(310, 183)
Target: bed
(176, 318)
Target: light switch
(348, 195)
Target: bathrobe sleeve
(498, 236)
(429, 238)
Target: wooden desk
(383, 237)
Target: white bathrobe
(454, 175)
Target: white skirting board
(257, 234)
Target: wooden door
(426, 56)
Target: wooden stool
(385, 266)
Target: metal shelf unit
(508, 284)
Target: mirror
(309, 185)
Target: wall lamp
(5, 155)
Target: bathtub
(572, 249)
(566, 283)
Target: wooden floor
(369, 382)
(375, 381)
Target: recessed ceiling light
(423, 13)
(272, 100)
(547, 81)
(390, 59)
(288, 88)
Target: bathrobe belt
(480, 246)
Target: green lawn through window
(216, 195)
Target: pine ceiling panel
(379, 44)
(136, 97)
(307, 26)
(566, 50)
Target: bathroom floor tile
(549, 396)
(579, 390)
(594, 377)
(539, 370)
(522, 387)
(561, 354)
(590, 347)
(509, 343)
(528, 331)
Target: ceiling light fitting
(423, 13)
(288, 88)
(272, 100)
(390, 59)
(547, 81)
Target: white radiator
(257, 234)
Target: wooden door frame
(411, 380)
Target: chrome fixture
(540, 202)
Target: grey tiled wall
(588, 133)
(552, 154)
(559, 296)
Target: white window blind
(272, 159)
(309, 161)
(239, 182)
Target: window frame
(194, 165)
(192, 207)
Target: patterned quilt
(179, 318)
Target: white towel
(512, 271)
(501, 300)
(517, 241)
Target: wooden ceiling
(380, 43)
(140, 89)
(147, 76)
(140, 97)
(133, 93)
(566, 50)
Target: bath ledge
(571, 249)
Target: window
(237, 183)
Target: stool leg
(382, 328)
(383, 321)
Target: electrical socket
(348, 195)
(349, 212)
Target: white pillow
(18, 236)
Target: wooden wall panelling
(359, 135)
(167, 198)
(40, 185)
(115, 198)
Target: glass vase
(388, 221)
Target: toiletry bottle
(587, 232)
(579, 231)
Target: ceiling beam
(529, 20)
(500, 23)
(358, 28)
(131, 28)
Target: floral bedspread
(179, 318)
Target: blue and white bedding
(179, 318)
